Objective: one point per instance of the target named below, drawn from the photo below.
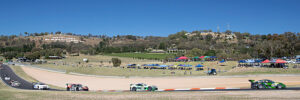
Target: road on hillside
(6, 71)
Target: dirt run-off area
(121, 83)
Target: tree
(116, 62)
(162, 45)
(195, 52)
(9, 55)
(33, 56)
(228, 32)
(208, 37)
(58, 32)
(26, 33)
(210, 53)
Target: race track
(6, 71)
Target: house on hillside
(158, 51)
(175, 50)
(151, 50)
(62, 38)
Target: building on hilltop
(62, 38)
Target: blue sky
(148, 17)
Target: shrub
(116, 62)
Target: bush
(116, 62)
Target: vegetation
(96, 67)
(225, 45)
(116, 62)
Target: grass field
(116, 71)
(222, 69)
(101, 65)
(98, 60)
(158, 56)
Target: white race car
(40, 86)
(6, 78)
(15, 83)
(142, 87)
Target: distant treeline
(224, 45)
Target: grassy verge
(19, 71)
(116, 71)
(222, 69)
(255, 71)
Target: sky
(148, 17)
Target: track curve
(6, 71)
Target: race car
(76, 87)
(266, 84)
(15, 83)
(7, 78)
(40, 86)
(142, 87)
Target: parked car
(40, 86)
(266, 84)
(142, 87)
(212, 72)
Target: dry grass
(252, 71)
(100, 65)
(19, 71)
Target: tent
(280, 61)
(250, 61)
(242, 61)
(212, 57)
(184, 65)
(199, 65)
(257, 61)
(222, 61)
(202, 57)
(151, 65)
(266, 61)
(196, 57)
(163, 66)
(206, 57)
(131, 64)
(182, 57)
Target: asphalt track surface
(7, 71)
